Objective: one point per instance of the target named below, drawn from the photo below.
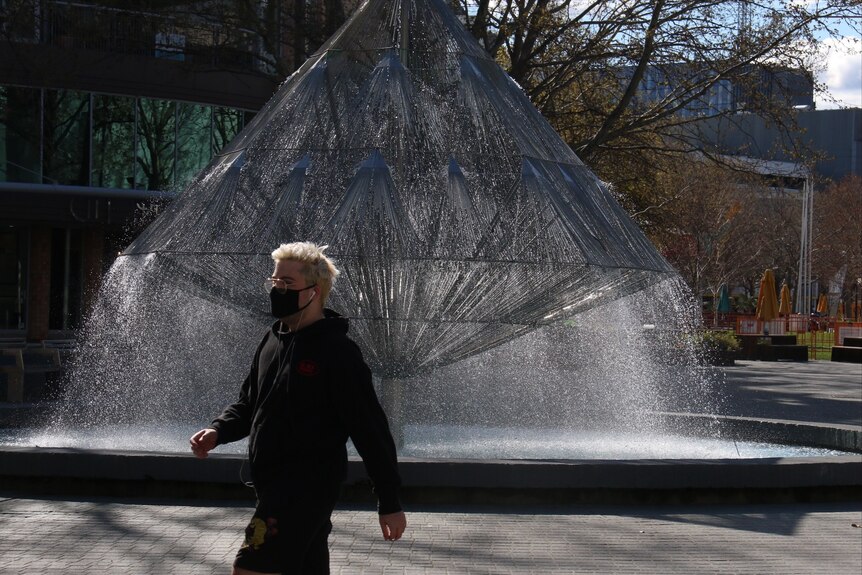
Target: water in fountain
(157, 357)
(150, 373)
(461, 222)
(590, 387)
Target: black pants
(289, 536)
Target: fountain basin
(457, 481)
(694, 436)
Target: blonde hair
(318, 269)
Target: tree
(718, 226)
(629, 83)
(711, 231)
(587, 64)
(837, 245)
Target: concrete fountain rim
(454, 481)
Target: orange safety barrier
(750, 325)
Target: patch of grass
(819, 343)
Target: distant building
(791, 88)
(833, 139)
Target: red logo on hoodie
(307, 367)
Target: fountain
(489, 276)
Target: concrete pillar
(39, 288)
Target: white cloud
(843, 72)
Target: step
(847, 354)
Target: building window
(66, 138)
(113, 142)
(20, 121)
(13, 278)
(156, 136)
(194, 134)
(227, 123)
(83, 139)
(67, 279)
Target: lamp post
(803, 290)
(857, 311)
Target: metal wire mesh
(460, 219)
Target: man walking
(308, 390)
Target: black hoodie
(305, 394)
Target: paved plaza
(43, 536)
(40, 535)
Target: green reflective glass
(156, 137)
(65, 138)
(194, 127)
(113, 142)
(19, 134)
(227, 123)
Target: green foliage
(744, 303)
(714, 340)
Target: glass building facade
(93, 140)
(75, 138)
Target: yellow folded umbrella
(822, 305)
(784, 307)
(767, 300)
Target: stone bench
(748, 345)
(769, 352)
(847, 353)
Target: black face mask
(286, 303)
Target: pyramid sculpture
(459, 218)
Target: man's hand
(393, 525)
(203, 442)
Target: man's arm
(366, 423)
(235, 421)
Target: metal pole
(810, 235)
(803, 292)
(857, 314)
(800, 276)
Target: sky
(840, 59)
(842, 72)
